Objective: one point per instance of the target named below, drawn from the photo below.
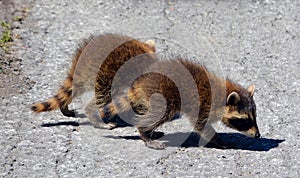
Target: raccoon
(236, 109)
(109, 50)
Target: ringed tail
(61, 100)
(63, 96)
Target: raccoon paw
(155, 145)
(68, 113)
(156, 135)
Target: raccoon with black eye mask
(240, 112)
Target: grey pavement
(251, 42)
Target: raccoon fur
(236, 108)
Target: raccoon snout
(257, 135)
(253, 133)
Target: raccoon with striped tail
(111, 50)
(236, 108)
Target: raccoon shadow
(240, 142)
(191, 139)
(120, 123)
(61, 123)
(115, 119)
(65, 123)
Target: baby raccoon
(109, 50)
(236, 108)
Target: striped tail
(64, 95)
(59, 101)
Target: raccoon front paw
(155, 145)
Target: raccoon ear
(251, 90)
(151, 44)
(233, 98)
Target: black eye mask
(241, 124)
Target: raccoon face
(240, 112)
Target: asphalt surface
(251, 42)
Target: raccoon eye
(240, 123)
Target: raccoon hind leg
(66, 112)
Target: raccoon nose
(257, 135)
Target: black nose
(257, 135)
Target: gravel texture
(250, 41)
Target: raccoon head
(240, 112)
